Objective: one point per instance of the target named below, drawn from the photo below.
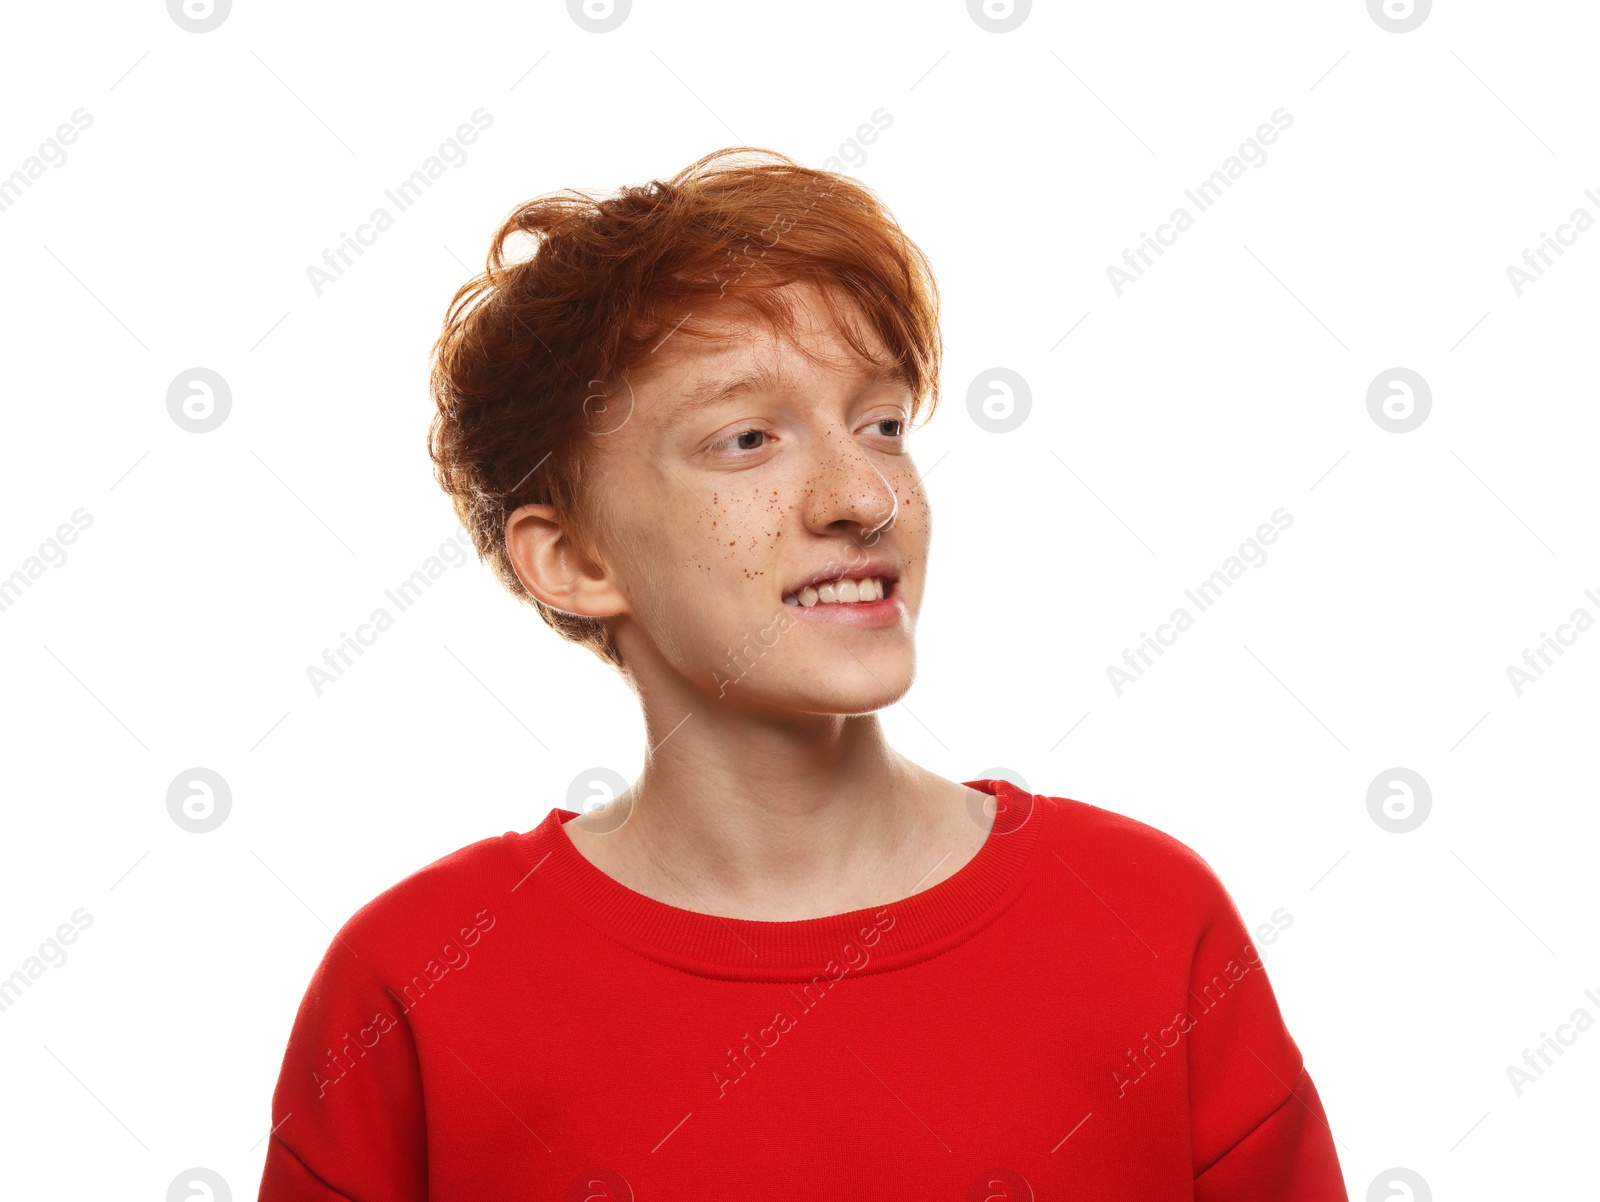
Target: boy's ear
(555, 569)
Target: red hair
(528, 345)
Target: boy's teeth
(836, 591)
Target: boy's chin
(857, 687)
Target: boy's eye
(736, 438)
(742, 440)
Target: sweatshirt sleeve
(1257, 1125)
(347, 1113)
(1288, 1155)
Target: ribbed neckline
(869, 940)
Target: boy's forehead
(700, 376)
(700, 386)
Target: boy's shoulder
(1127, 857)
(437, 903)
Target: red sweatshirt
(1078, 1012)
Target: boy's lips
(882, 568)
(887, 610)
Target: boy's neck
(864, 831)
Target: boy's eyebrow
(759, 379)
(707, 393)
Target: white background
(1229, 381)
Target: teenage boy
(787, 962)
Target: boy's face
(721, 505)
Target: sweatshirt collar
(858, 942)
